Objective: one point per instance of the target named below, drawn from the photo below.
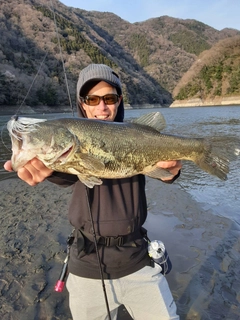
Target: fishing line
(21, 105)
(61, 55)
(40, 67)
(98, 255)
(3, 142)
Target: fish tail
(216, 159)
(215, 165)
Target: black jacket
(119, 209)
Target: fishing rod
(86, 190)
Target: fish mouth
(66, 153)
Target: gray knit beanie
(93, 74)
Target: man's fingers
(26, 175)
(8, 165)
(169, 164)
(34, 172)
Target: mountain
(214, 75)
(150, 57)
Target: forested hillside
(215, 73)
(151, 56)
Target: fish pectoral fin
(158, 173)
(91, 163)
(73, 171)
(89, 181)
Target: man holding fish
(118, 208)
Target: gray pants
(145, 294)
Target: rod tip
(15, 117)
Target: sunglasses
(93, 100)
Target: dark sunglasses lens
(92, 100)
(110, 98)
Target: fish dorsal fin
(154, 120)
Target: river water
(220, 196)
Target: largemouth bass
(95, 150)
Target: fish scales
(95, 150)
(130, 145)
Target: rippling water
(220, 196)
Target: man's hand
(32, 173)
(172, 166)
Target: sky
(218, 14)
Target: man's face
(102, 111)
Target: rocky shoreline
(215, 102)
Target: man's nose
(102, 105)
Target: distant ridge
(214, 77)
